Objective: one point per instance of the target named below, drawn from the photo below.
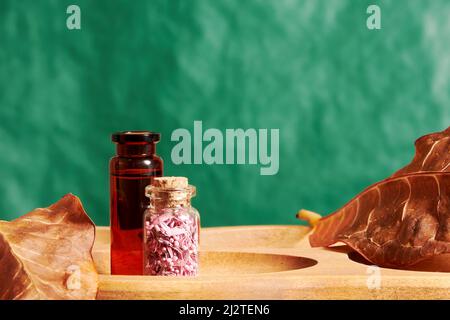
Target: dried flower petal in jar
(171, 229)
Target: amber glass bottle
(131, 170)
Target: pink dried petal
(163, 238)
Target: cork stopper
(170, 182)
(170, 192)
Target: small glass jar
(171, 229)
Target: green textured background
(349, 102)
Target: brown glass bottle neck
(136, 149)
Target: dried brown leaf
(432, 154)
(403, 219)
(46, 254)
(394, 223)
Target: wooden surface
(274, 262)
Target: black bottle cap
(135, 136)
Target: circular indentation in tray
(218, 263)
(236, 263)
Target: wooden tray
(275, 262)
